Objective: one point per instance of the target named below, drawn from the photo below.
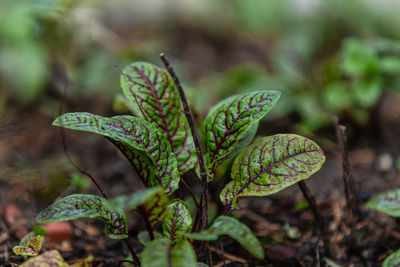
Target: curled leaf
(179, 221)
(230, 226)
(149, 202)
(136, 138)
(30, 245)
(228, 122)
(387, 202)
(160, 253)
(270, 165)
(152, 93)
(86, 206)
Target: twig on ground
(228, 256)
(319, 219)
(348, 177)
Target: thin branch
(348, 177)
(319, 220)
(189, 117)
(191, 193)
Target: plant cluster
(160, 142)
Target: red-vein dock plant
(158, 142)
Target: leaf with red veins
(149, 202)
(152, 93)
(77, 206)
(233, 122)
(136, 138)
(387, 202)
(270, 165)
(179, 221)
(30, 245)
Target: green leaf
(179, 221)
(30, 245)
(137, 139)
(387, 202)
(144, 237)
(153, 95)
(230, 226)
(270, 165)
(150, 202)
(160, 253)
(367, 92)
(229, 121)
(86, 206)
(393, 260)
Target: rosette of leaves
(153, 95)
(271, 164)
(77, 206)
(140, 141)
(232, 124)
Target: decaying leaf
(30, 245)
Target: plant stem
(142, 213)
(320, 222)
(348, 178)
(189, 118)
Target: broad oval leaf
(230, 226)
(30, 245)
(393, 260)
(49, 258)
(160, 253)
(270, 165)
(179, 221)
(229, 121)
(136, 138)
(86, 206)
(153, 94)
(387, 202)
(150, 202)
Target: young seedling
(389, 203)
(161, 144)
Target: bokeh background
(333, 57)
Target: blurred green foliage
(327, 57)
